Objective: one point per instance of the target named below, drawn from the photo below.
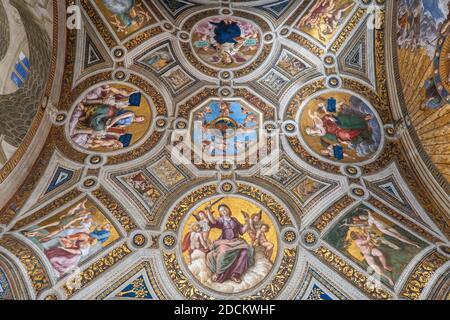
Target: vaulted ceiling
(224, 149)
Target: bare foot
(236, 279)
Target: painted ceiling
(177, 149)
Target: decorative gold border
(252, 192)
(351, 274)
(99, 25)
(422, 274)
(328, 216)
(96, 269)
(116, 209)
(345, 33)
(309, 45)
(185, 204)
(35, 270)
(201, 66)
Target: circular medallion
(89, 183)
(110, 117)
(169, 241)
(290, 236)
(139, 240)
(233, 253)
(227, 187)
(61, 117)
(340, 127)
(95, 160)
(226, 42)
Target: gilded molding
(422, 274)
(351, 274)
(345, 33)
(328, 216)
(35, 270)
(92, 272)
(116, 209)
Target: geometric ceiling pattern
(227, 150)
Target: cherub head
(202, 215)
(265, 227)
(256, 217)
(195, 227)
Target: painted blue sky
(434, 7)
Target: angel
(261, 240)
(228, 40)
(318, 129)
(325, 16)
(254, 223)
(384, 228)
(370, 252)
(78, 218)
(333, 20)
(251, 118)
(203, 222)
(207, 110)
(315, 14)
(225, 109)
(194, 240)
(126, 14)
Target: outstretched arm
(73, 251)
(118, 118)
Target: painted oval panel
(341, 128)
(110, 117)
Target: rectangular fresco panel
(324, 18)
(372, 241)
(125, 16)
(73, 235)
